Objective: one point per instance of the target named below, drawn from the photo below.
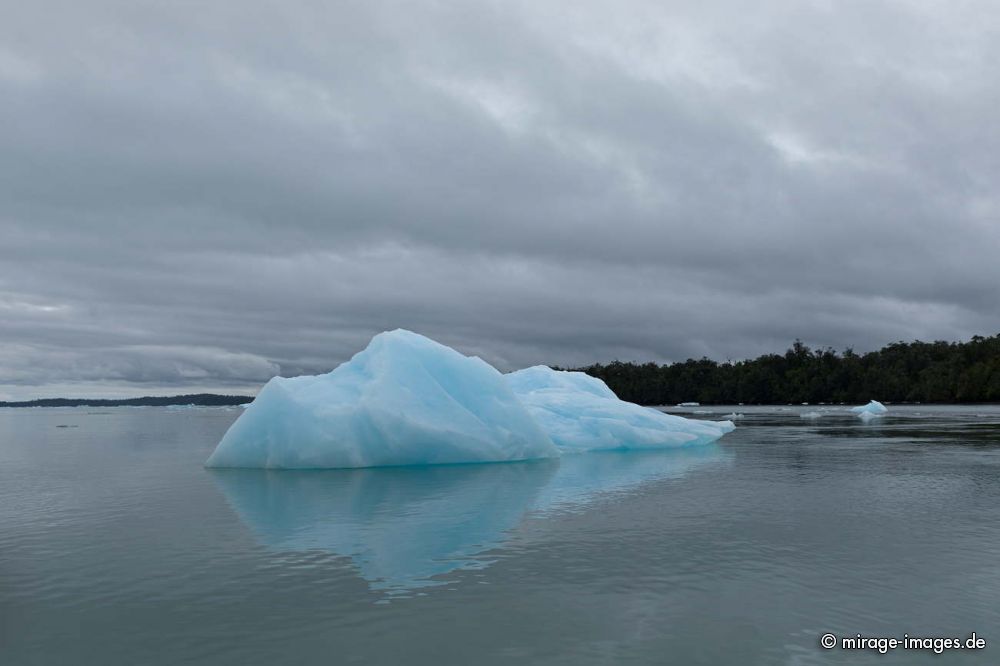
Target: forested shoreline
(939, 372)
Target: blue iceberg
(872, 410)
(404, 400)
(873, 407)
(407, 400)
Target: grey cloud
(210, 194)
(157, 365)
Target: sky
(199, 196)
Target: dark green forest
(900, 372)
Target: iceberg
(580, 413)
(404, 400)
(407, 400)
(870, 411)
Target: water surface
(117, 547)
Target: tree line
(943, 372)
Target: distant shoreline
(216, 400)
(199, 399)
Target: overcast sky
(202, 195)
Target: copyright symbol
(828, 641)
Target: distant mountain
(202, 399)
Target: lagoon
(118, 547)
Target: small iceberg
(407, 400)
(689, 404)
(810, 415)
(872, 410)
(733, 416)
(873, 407)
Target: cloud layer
(203, 196)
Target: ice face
(404, 400)
(407, 400)
(580, 413)
(873, 408)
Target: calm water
(117, 547)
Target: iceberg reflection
(581, 479)
(404, 526)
